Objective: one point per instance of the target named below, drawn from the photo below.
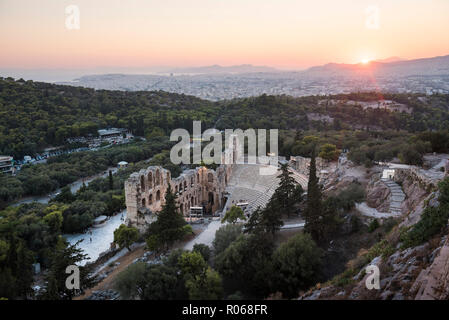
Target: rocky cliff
(417, 272)
(378, 195)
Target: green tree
(288, 193)
(409, 155)
(162, 283)
(225, 236)
(297, 263)
(265, 220)
(313, 211)
(111, 181)
(203, 249)
(329, 152)
(207, 286)
(54, 219)
(246, 265)
(65, 255)
(192, 263)
(130, 282)
(154, 282)
(24, 271)
(233, 214)
(125, 236)
(65, 196)
(169, 226)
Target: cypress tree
(288, 193)
(111, 181)
(313, 210)
(169, 226)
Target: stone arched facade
(201, 187)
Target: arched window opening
(158, 178)
(142, 183)
(211, 198)
(150, 180)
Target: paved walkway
(101, 236)
(367, 211)
(293, 225)
(206, 237)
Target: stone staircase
(397, 196)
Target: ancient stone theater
(195, 188)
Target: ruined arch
(158, 195)
(142, 183)
(158, 178)
(150, 180)
(144, 203)
(210, 177)
(211, 198)
(150, 199)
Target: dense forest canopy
(35, 115)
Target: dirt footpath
(107, 282)
(125, 261)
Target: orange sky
(279, 33)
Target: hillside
(411, 253)
(49, 114)
(35, 115)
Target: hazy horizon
(285, 35)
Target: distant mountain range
(388, 60)
(421, 67)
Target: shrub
(373, 225)
(382, 248)
(345, 278)
(433, 220)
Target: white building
(6, 164)
(122, 164)
(388, 174)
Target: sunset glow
(284, 34)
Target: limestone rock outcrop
(378, 195)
